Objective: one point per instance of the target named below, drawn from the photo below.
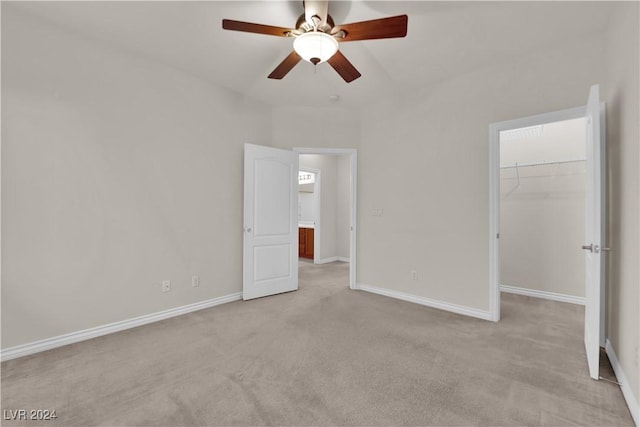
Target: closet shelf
(525, 165)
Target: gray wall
(117, 173)
(620, 88)
(343, 209)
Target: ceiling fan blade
(383, 28)
(248, 27)
(317, 8)
(285, 66)
(343, 67)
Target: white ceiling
(444, 39)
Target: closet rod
(518, 165)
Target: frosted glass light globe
(315, 46)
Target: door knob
(594, 248)
(248, 229)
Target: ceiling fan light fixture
(315, 46)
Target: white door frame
(353, 153)
(317, 210)
(494, 191)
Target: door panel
(272, 195)
(271, 262)
(270, 226)
(593, 233)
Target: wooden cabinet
(305, 243)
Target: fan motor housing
(304, 26)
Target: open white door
(594, 233)
(270, 259)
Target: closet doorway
(542, 205)
(593, 245)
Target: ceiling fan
(316, 37)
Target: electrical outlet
(166, 285)
(195, 281)
(414, 275)
(377, 212)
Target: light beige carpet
(325, 355)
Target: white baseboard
(542, 294)
(73, 337)
(627, 392)
(326, 260)
(331, 259)
(455, 308)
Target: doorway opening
(309, 213)
(594, 239)
(542, 206)
(523, 164)
(270, 259)
(327, 207)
